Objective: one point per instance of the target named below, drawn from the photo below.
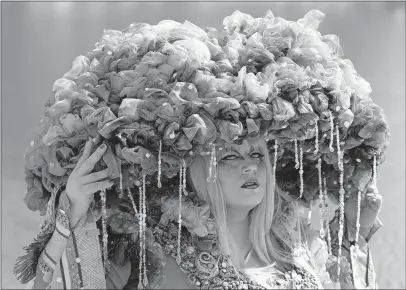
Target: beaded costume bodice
(206, 268)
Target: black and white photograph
(203, 145)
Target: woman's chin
(252, 194)
(247, 190)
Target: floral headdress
(158, 95)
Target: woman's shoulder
(174, 277)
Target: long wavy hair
(276, 234)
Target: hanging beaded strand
(184, 178)
(144, 224)
(181, 178)
(210, 167)
(331, 132)
(121, 195)
(274, 162)
(375, 171)
(140, 236)
(104, 229)
(214, 163)
(325, 216)
(301, 171)
(296, 155)
(316, 142)
(130, 196)
(342, 192)
(159, 164)
(321, 201)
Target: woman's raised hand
(82, 183)
(370, 207)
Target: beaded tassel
(331, 131)
(274, 162)
(104, 229)
(301, 171)
(342, 192)
(321, 200)
(159, 164)
(375, 171)
(296, 156)
(130, 196)
(212, 167)
(121, 195)
(213, 152)
(140, 235)
(184, 179)
(144, 225)
(309, 215)
(181, 188)
(316, 142)
(325, 215)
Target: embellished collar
(206, 268)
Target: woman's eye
(254, 155)
(230, 157)
(257, 155)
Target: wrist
(74, 212)
(352, 229)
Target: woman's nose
(250, 168)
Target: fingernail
(103, 146)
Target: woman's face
(242, 174)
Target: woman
(242, 202)
(173, 98)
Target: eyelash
(259, 156)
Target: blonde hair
(271, 235)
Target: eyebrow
(252, 148)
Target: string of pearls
(104, 229)
(159, 164)
(130, 196)
(184, 178)
(144, 213)
(321, 200)
(296, 155)
(331, 131)
(209, 178)
(301, 171)
(139, 236)
(182, 184)
(317, 139)
(342, 192)
(375, 171)
(212, 167)
(121, 194)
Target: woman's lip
(253, 186)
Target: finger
(96, 186)
(374, 201)
(86, 153)
(89, 163)
(93, 177)
(372, 188)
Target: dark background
(40, 41)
